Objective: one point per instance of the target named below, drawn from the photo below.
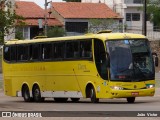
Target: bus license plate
(135, 93)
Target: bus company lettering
(82, 67)
(34, 68)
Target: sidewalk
(157, 93)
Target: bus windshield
(130, 60)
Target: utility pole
(144, 17)
(45, 18)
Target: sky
(41, 2)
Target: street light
(45, 17)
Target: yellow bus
(95, 66)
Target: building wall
(128, 6)
(58, 16)
(136, 24)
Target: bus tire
(130, 99)
(75, 99)
(93, 95)
(37, 94)
(26, 94)
(60, 100)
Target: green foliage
(8, 19)
(96, 25)
(153, 9)
(55, 32)
(19, 35)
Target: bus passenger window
(72, 50)
(58, 50)
(34, 52)
(46, 51)
(7, 53)
(86, 49)
(22, 52)
(13, 53)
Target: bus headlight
(116, 87)
(150, 86)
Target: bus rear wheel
(26, 94)
(37, 94)
(75, 99)
(130, 99)
(93, 96)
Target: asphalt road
(141, 104)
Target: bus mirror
(156, 60)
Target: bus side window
(46, 51)
(58, 50)
(86, 49)
(7, 53)
(72, 50)
(34, 51)
(13, 53)
(22, 52)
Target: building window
(79, 27)
(26, 33)
(132, 16)
(128, 16)
(135, 16)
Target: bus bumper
(132, 93)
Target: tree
(153, 9)
(8, 19)
(55, 32)
(19, 35)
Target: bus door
(101, 59)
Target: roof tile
(84, 10)
(32, 12)
(29, 9)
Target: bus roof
(102, 36)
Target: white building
(132, 13)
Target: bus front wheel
(37, 94)
(130, 99)
(93, 96)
